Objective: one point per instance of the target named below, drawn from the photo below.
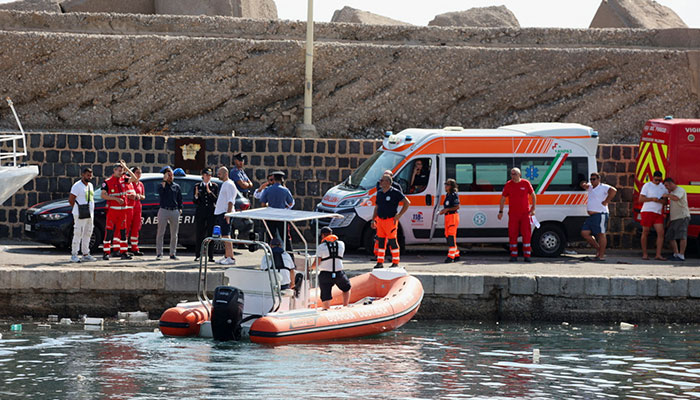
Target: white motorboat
(14, 175)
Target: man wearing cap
(170, 210)
(259, 191)
(396, 186)
(278, 196)
(238, 175)
(330, 254)
(206, 193)
(114, 191)
(225, 204)
(283, 264)
(386, 219)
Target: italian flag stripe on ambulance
(551, 172)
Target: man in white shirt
(653, 201)
(225, 204)
(330, 252)
(283, 264)
(599, 196)
(82, 196)
(680, 218)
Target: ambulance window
(572, 171)
(490, 176)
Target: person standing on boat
(225, 204)
(206, 194)
(114, 191)
(518, 190)
(451, 205)
(82, 201)
(169, 212)
(386, 219)
(330, 252)
(278, 196)
(283, 264)
(238, 175)
(135, 227)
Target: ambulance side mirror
(428, 200)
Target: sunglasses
(594, 178)
(657, 179)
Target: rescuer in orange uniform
(386, 220)
(451, 205)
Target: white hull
(13, 178)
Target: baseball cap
(275, 242)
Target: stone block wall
(312, 166)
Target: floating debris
(133, 316)
(626, 326)
(16, 327)
(65, 321)
(93, 321)
(53, 318)
(43, 326)
(536, 356)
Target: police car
(51, 222)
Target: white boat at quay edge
(12, 174)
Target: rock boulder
(483, 17)
(257, 9)
(353, 15)
(32, 5)
(111, 6)
(646, 14)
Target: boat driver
(283, 264)
(330, 252)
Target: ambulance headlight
(354, 202)
(342, 222)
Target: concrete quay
(38, 280)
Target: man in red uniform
(134, 227)
(114, 191)
(519, 212)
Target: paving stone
(459, 284)
(572, 286)
(623, 286)
(694, 287)
(647, 287)
(673, 287)
(46, 279)
(597, 286)
(6, 277)
(522, 285)
(548, 285)
(183, 281)
(102, 279)
(145, 280)
(428, 282)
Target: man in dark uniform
(386, 220)
(278, 196)
(205, 195)
(238, 175)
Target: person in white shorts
(225, 204)
(596, 225)
(82, 200)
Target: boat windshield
(368, 173)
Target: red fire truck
(671, 146)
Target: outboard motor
(227, 313)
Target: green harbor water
(422, 360)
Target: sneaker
(196, 258)
(89, 258)
(137, 253)
(449, 260)
(211, 259)
(394, 265)
(75, 259)
(159, 257)
(173, 257)
(379, 265)
(105, 257)
(674, 258)
(126, 256)
(228, 261)
(527, 259)
(513, 259)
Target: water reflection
(422, 360)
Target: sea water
(422, 360)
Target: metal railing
(14, 138)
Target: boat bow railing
(14, 138)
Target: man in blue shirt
(238, 175)
(278, 196)
(169, 212)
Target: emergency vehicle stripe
(691, 189)
(652, 157)
(551, 172)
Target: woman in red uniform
(135, 226)
(451, 205)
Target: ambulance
(671, 146)
(554, 157)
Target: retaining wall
(312, 166)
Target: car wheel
(368, 239)
(96, 239)
(548, 241)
